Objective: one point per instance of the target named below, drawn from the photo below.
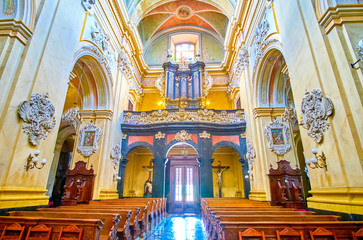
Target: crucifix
(219, 171)
(148, 183)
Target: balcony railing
(184, 115)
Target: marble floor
(180, 228)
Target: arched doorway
(87, 90)
(182, 182)
(227, 173)
(274, 91)
(138, 173)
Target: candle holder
(33, 161)
(318, 161)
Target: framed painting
(278, 135)
(88, 138)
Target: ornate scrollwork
(204, 135)
(160, 84)
(208, 83)
(102, 40)
(182, 115)
(88, 5)
(116, 155)
(241, 62)
(124, 64)
(360, 49)
(250, 155)
(159, 135)
(38, 117)
(278, 135)
(315, 110)
(88, 138)
(183, 136)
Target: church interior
(197, 119)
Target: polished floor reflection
(180, 228)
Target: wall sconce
(33, 160)
(318, 161)
(116, 178)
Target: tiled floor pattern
(180, 228)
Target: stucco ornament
(124, 64)
(204, 135)
(159, 135)
(116, 155)
(38, 117)
(102, 40)
(241, 62)
(183, 136)
(160, 84)
(208, 83)
(315, 110)
(360, 49)
(88, 138)
(88, 5)
(250, 155)
(278, 135)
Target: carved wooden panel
(79, 185)
(286, 186)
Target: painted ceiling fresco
(181, 14)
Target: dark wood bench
(110, 221)
(91, 227)
(123, 230)
(134, 223)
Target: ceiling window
(184, 52)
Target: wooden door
(184, 194)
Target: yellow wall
(218, 100)
(233, 177)
(135, 174)
(150, 102)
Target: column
(158, 177)
(121, 173)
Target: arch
(136, 145)
(227, 144)
(93, 79)
(270, 80)
(21, 10)
(175, 142)
(63, 135)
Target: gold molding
(341, 14)
(15, 29)
(12, 196)
(96, 114)
(268, 111)
(108, 194)
(344, 199)
(258, 196)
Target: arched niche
(272, 81)
(92, 83)
(137, 172)
(21, 10)
(227, 168)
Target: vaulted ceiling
(155, 17)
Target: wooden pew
(229, 230)
(91, 227)
(216, 219)
(110, 221)
(123, 230)
(134, 223)
(155, 207)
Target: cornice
(268, 111)
(15, 29)
(96, 114)
(341, 14)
